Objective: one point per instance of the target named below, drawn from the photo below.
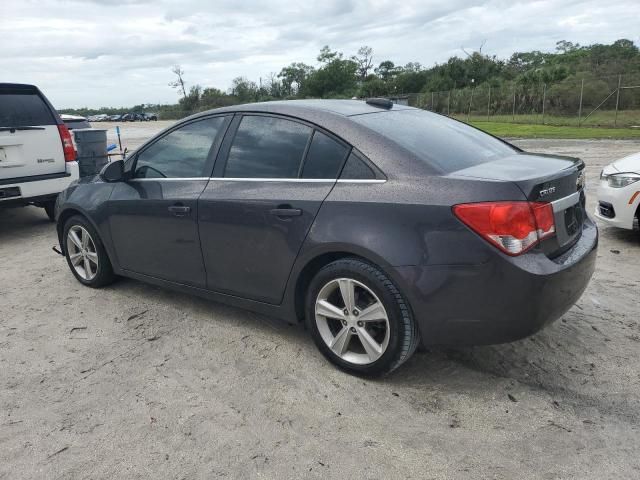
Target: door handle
(286, 211)
(179, 210)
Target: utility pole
(489, 104)
(471, 99)
(580, 108)
(544, 98)
(615, 121)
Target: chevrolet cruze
(380, 226)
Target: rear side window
(267, 147)
(325, 157)
(26, 109)
(356, 169)
(182, 153)
(443, 143)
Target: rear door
(29, 138)
(271, 178)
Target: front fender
(89, 200)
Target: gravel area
(133, 381)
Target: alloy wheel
(352, 321)
(82, 252)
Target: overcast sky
(117, 53)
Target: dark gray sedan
(381, 226)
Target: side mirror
(113, 171)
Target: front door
(255, 214)
(153, 216)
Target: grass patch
(519, 130)
(599, 118)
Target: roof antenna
(380, 102)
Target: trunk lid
(543, 178)
(30, 142)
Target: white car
(37, 156)
(619, 193)
(74, 122)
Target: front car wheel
(86, 256)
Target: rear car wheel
(85, 253)
(358, 318)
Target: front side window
(267, 147)
(182, 153)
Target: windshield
(443, 143)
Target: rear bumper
(34, 189)
(499, 301)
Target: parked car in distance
(101, 118)
(380, 225)
(619, 193)
(115, 118)
(151, 116)
(37, 157)
(75, 121)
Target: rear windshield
(23, 110)
(445, 144)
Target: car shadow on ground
(21, 221)
(538, 361)
(254, 322)
(629, 238)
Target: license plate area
(569, 217)
(9, 192)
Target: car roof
(334, 116)
(344, 108)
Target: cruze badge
(547, 191)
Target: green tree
(364, 60)
(244, 90)
(386, 70)
(336, 77)
(294, 77)
(191, 101)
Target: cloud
(120, 52)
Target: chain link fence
(581, 101)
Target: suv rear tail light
(67, 144)
(513, 227)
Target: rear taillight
(513, 227)
(67, 144)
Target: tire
(49, 208)
(100, 269)
(371, 288)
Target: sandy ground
(136, 382)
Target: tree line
(336, 75)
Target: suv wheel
(50, 207)
(358, 318)
(85, 253)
